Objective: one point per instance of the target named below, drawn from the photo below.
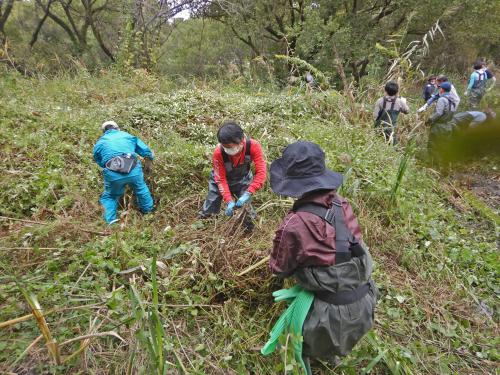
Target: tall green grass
(151, 332)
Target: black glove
(148, 165)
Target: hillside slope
(436, 257)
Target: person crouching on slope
(319, 244)
(116, 153)
(232, 174)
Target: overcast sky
(184, 14)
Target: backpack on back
(387, 117)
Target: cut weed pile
(164, 289)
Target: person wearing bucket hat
(116, 153)
(319, 244)
(302, 169)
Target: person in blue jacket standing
(116, 153)
(477, 84)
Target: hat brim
(296, 187)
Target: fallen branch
(254, 266)
(23, 220)
(92, 335)
(94, 232)
(31, 248)
(46, 222)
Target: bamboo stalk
(36, 309)
(30, 316)
(16, 320)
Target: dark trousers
(388, 131)
(213, 201)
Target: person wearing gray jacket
(445, 105)
(440, 120)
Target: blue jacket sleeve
(471, 81)
(97, 155)
(432, 99)
(142, 149)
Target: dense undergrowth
(435, 252)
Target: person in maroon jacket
(319, 243)
(232, 174)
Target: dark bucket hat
(301, 169)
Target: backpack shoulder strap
(248, 147)
(381, 110)
(248, 157)
(335, 217)
(449, 103)
(225, 156)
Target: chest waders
(387, 119)
(238, 179)
(478, 90)
(448, 113)
(441, 131)
(346, 247)
(295, 319)
(236, 175)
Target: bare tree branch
(4, 15)
(34, 37)
(60, 22)
(90, 17)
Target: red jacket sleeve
(260, 167)
(220, 175)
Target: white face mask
(233, 150)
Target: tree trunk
(34, 37)
(340, 68)
(90, 21)
(4, 15)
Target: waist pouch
(122, 164)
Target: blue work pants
(114, 188)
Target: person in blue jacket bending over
(116, 153)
